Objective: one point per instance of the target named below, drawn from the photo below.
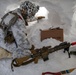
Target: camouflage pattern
(31, 8)
(19, 30)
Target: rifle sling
(15, 63)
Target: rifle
(40, 53)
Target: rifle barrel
(59, 47)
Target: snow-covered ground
(60, 13)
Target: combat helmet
(30, 7)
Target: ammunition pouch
(9, 37)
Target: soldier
(14, 26)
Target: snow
(59, 13)
(42, 12)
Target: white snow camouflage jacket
(19, 32)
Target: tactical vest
(8, 35)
